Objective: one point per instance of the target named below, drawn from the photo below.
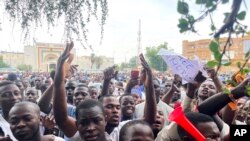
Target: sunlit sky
(159, 19)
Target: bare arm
(65, 123)
(45, 101)
(108, 73)
(150, 102)
(216, 80)
(167, 97)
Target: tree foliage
(155, 61)
(76, 14)
(24, 67)
(232, 25)
(131, 63)
(2, 63)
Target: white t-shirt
(6, 128)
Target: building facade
(42, 57)
(201, 49)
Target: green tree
(132, 62)
(92, 60)
(2, 63)
(155, 61)
(98, 61)
(24, 67)
(232, 25)
(123, 66)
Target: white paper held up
(184, 67)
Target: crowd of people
(73, 106)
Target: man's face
(9, 95)
(31, 95)
(24, 123)
(112, 110)
(137, 98)
(159, 123)
(70, 87)
(127, 106)
(38, 82)
(139, 132)
(91, 124)
(94, 93)
(209, 130)
(168, 84)
(80, 94)
(111, 87)
(26, 83)
(244, 112)
(157, 89)
(206, 89)
(20, 86)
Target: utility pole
(139, 50)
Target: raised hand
(211, 73)
(110, 73)
(146, 72)
(49, 121)
(62, 66)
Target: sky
(159, 19)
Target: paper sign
(186, 68)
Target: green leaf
(182, 7)
(224, 1)
(217, 56)
(183, 25)
(228, 63)
(241, 16)
(238, 64)
(232, 82)
(226, 91)
(213, 27)
(209, 3)
(212, 8)
(212, 63)
(200, 1)
(248, 90)
(247, 54)
(246, 70)
(213, 46)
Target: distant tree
(98, 61)
(123, 66)
(24, 67)
(92, 60)
(2, 63)
(132, 62)
(155, 61)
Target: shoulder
(52, 138)
(114, 135)
(140, 105)
(164, 105)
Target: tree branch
(231, 18)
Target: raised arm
(65, 123)
(167, 97)
(150, 102)
(108, 73)
(213, 104)
(211, 73)
(45, 101)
